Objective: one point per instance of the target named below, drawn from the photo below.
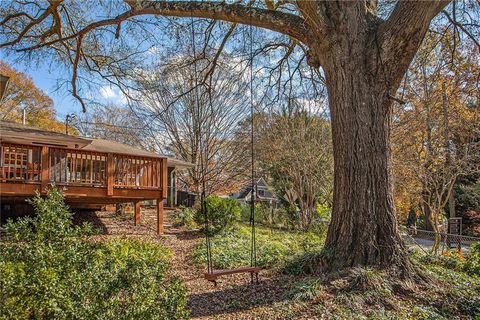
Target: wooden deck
(86, 177)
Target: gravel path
(233, 298)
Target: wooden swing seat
(215, 274)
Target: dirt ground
(233, 298)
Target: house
(92, 172)
(264, 194)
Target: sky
(47, 77)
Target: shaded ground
(233, 298)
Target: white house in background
(264, 194)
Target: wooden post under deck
(160, 216)
(136, 219)
(163, 194)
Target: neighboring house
(91, 172)
(264, 194)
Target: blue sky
(47, 77)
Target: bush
(449, 260)
(221, 212)
(455, 260)
(263, 214)
(185, 217)
(324, 212)
(51, 270)
(282, 218)
(472, 261)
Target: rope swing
(211, 274)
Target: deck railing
(20, 163)
(137, 172)
(77, 167)
(25, 164)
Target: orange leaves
(22, 94)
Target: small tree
(221, 212)
(295, 148)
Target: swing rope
(212, 275)
(253, 249)
(203, 204)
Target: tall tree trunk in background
(426, 209)
(425, 192)
(448, 151)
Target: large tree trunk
(363, 230)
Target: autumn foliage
(23, 94)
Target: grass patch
(275, 248)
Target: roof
(245, 192)
(18, 133)
(102, 145)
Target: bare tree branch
(462, 27)
(400, 35)
(286, 23)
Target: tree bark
(363, 230)
(426, 209)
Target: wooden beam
(10, 189)
(110, 172)
(80, 192)
(45, 174)
(164, 178)
(160, 216)
(136, 218)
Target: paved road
(426, 244)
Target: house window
(261, 193)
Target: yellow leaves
(418, 131)
(270, 5)
(22, 94)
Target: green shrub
(305, 289)
(185, 217)
(282, 218)
(455, 260)
(444, 261)
(245, 213)
(263, 214)
(221, 212)
(324, 212)
(51, 270)
(472, 261)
